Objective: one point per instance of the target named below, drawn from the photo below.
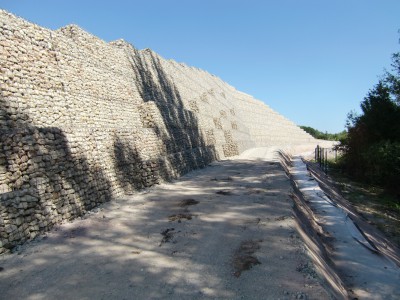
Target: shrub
(381, 163)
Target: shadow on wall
(49, 174)
(127, 165)
(46, 176)
(132, 172)
(179, 130)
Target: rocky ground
(223, 232)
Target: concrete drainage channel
(344, 255)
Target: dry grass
(373, 204)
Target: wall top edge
(75, 32)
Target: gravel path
(223, 232)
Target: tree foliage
(324, 136)
(372, 146)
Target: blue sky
(312, 61)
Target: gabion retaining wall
(83, 121)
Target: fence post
(319, 156)
(315, 153)
(326, 161)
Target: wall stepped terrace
(83, 121)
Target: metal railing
(321, 157)
(325, 155)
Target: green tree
(393, 80)
(372, 146)
(380, 115)
(324, 136)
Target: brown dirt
(180, 217)
(167, 234)
(188, 202)
(244, 258)
(225, 193)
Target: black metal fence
(321, 157)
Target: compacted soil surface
(222, 232)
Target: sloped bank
(356, 260)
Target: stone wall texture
(83, 121)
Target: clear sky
(312, 61)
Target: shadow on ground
(132, 248)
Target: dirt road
(223, 232)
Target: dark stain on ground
(167, 234)
(180, 217)
(307, 269)
(227, 179)
(255, 221)
(225, 193)
(252, 191)
(222, 179)
(76, 232)
(281, 218)
(1, 269)
(187, 202)
(244, 258)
